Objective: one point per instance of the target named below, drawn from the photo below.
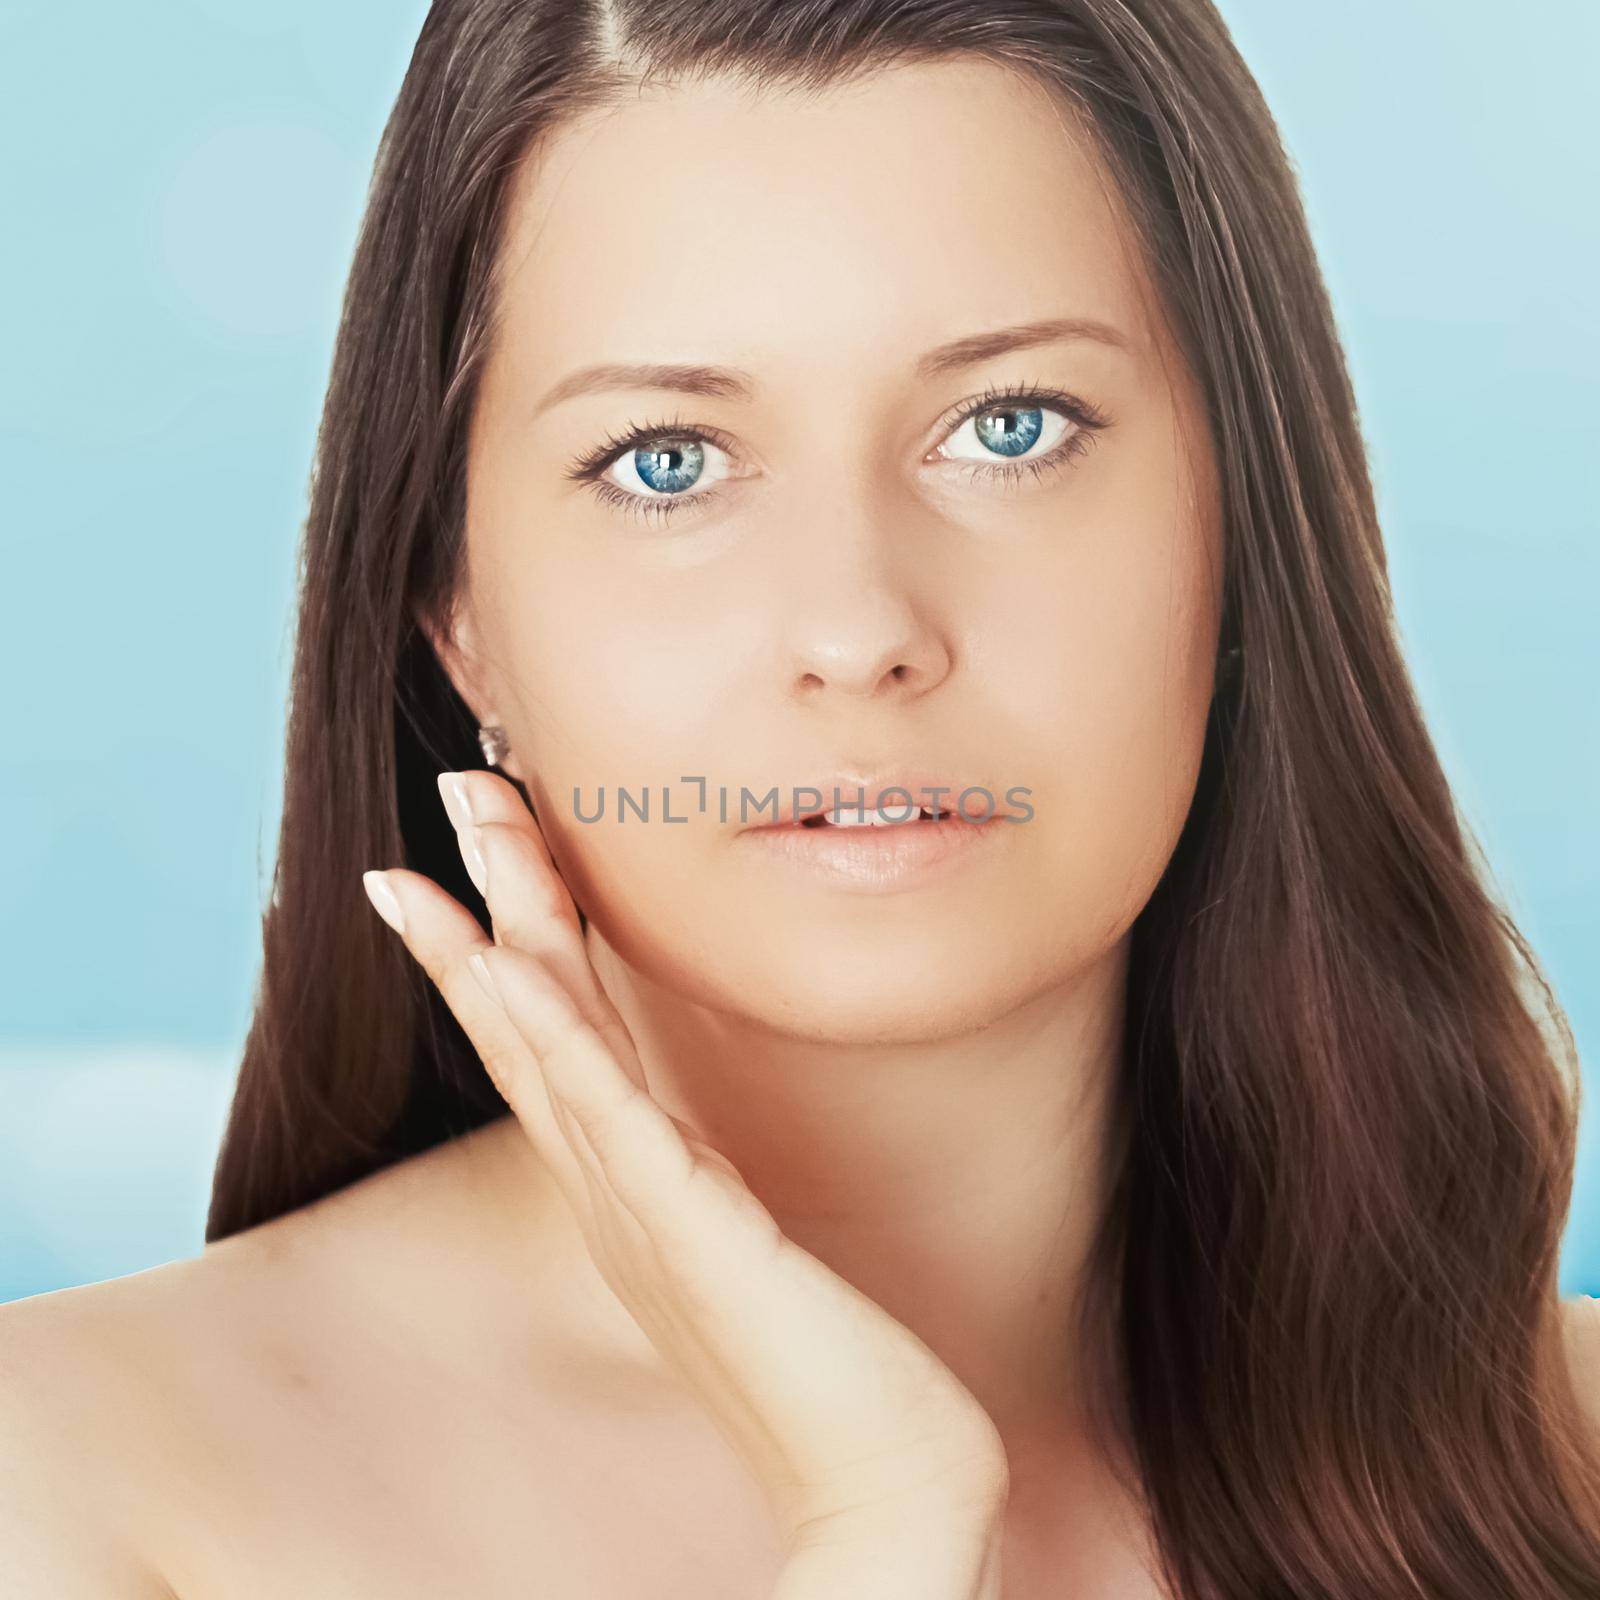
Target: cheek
(619, 687)
(614, 682)
(1107, 672)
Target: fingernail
(457, 802)
(473, 856)
(480, 971)
(383, 899)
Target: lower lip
(901, 855)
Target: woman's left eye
(652, 469)
(1010, 431)
(1028, 431)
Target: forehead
(705, 222)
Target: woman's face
(852, 582)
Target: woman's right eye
(665, 466)
(653, 469)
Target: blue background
(182, 185)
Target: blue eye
(650, 470)
(1009, 430)
(670, 469)
(1015, 434)
(658, 463)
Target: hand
(845, 1417)
(918, 1558)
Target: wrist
(972, 1493)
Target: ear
(454, 645)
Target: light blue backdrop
(181, 189)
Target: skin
(912, 1085)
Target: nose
(863, 615)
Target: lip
(880, 859)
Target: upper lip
(885, 790)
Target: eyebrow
(730, 383)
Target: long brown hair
(1346, 1129)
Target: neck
(956, 1181)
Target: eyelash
(1087, 419)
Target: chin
(908, 995)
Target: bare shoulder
(129, 1404)
(66, 1529)
(1580, 1325)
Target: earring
(494, 742)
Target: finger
(515, 885)
(529, 904)
(532, 910)
(608, 1226)
(638, 1150)
(612, 1231)
(476, 795)
(443, 935)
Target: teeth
(857, 817)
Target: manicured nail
(457, 802)
(383, 899)
(480, 971)
(473, 856)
